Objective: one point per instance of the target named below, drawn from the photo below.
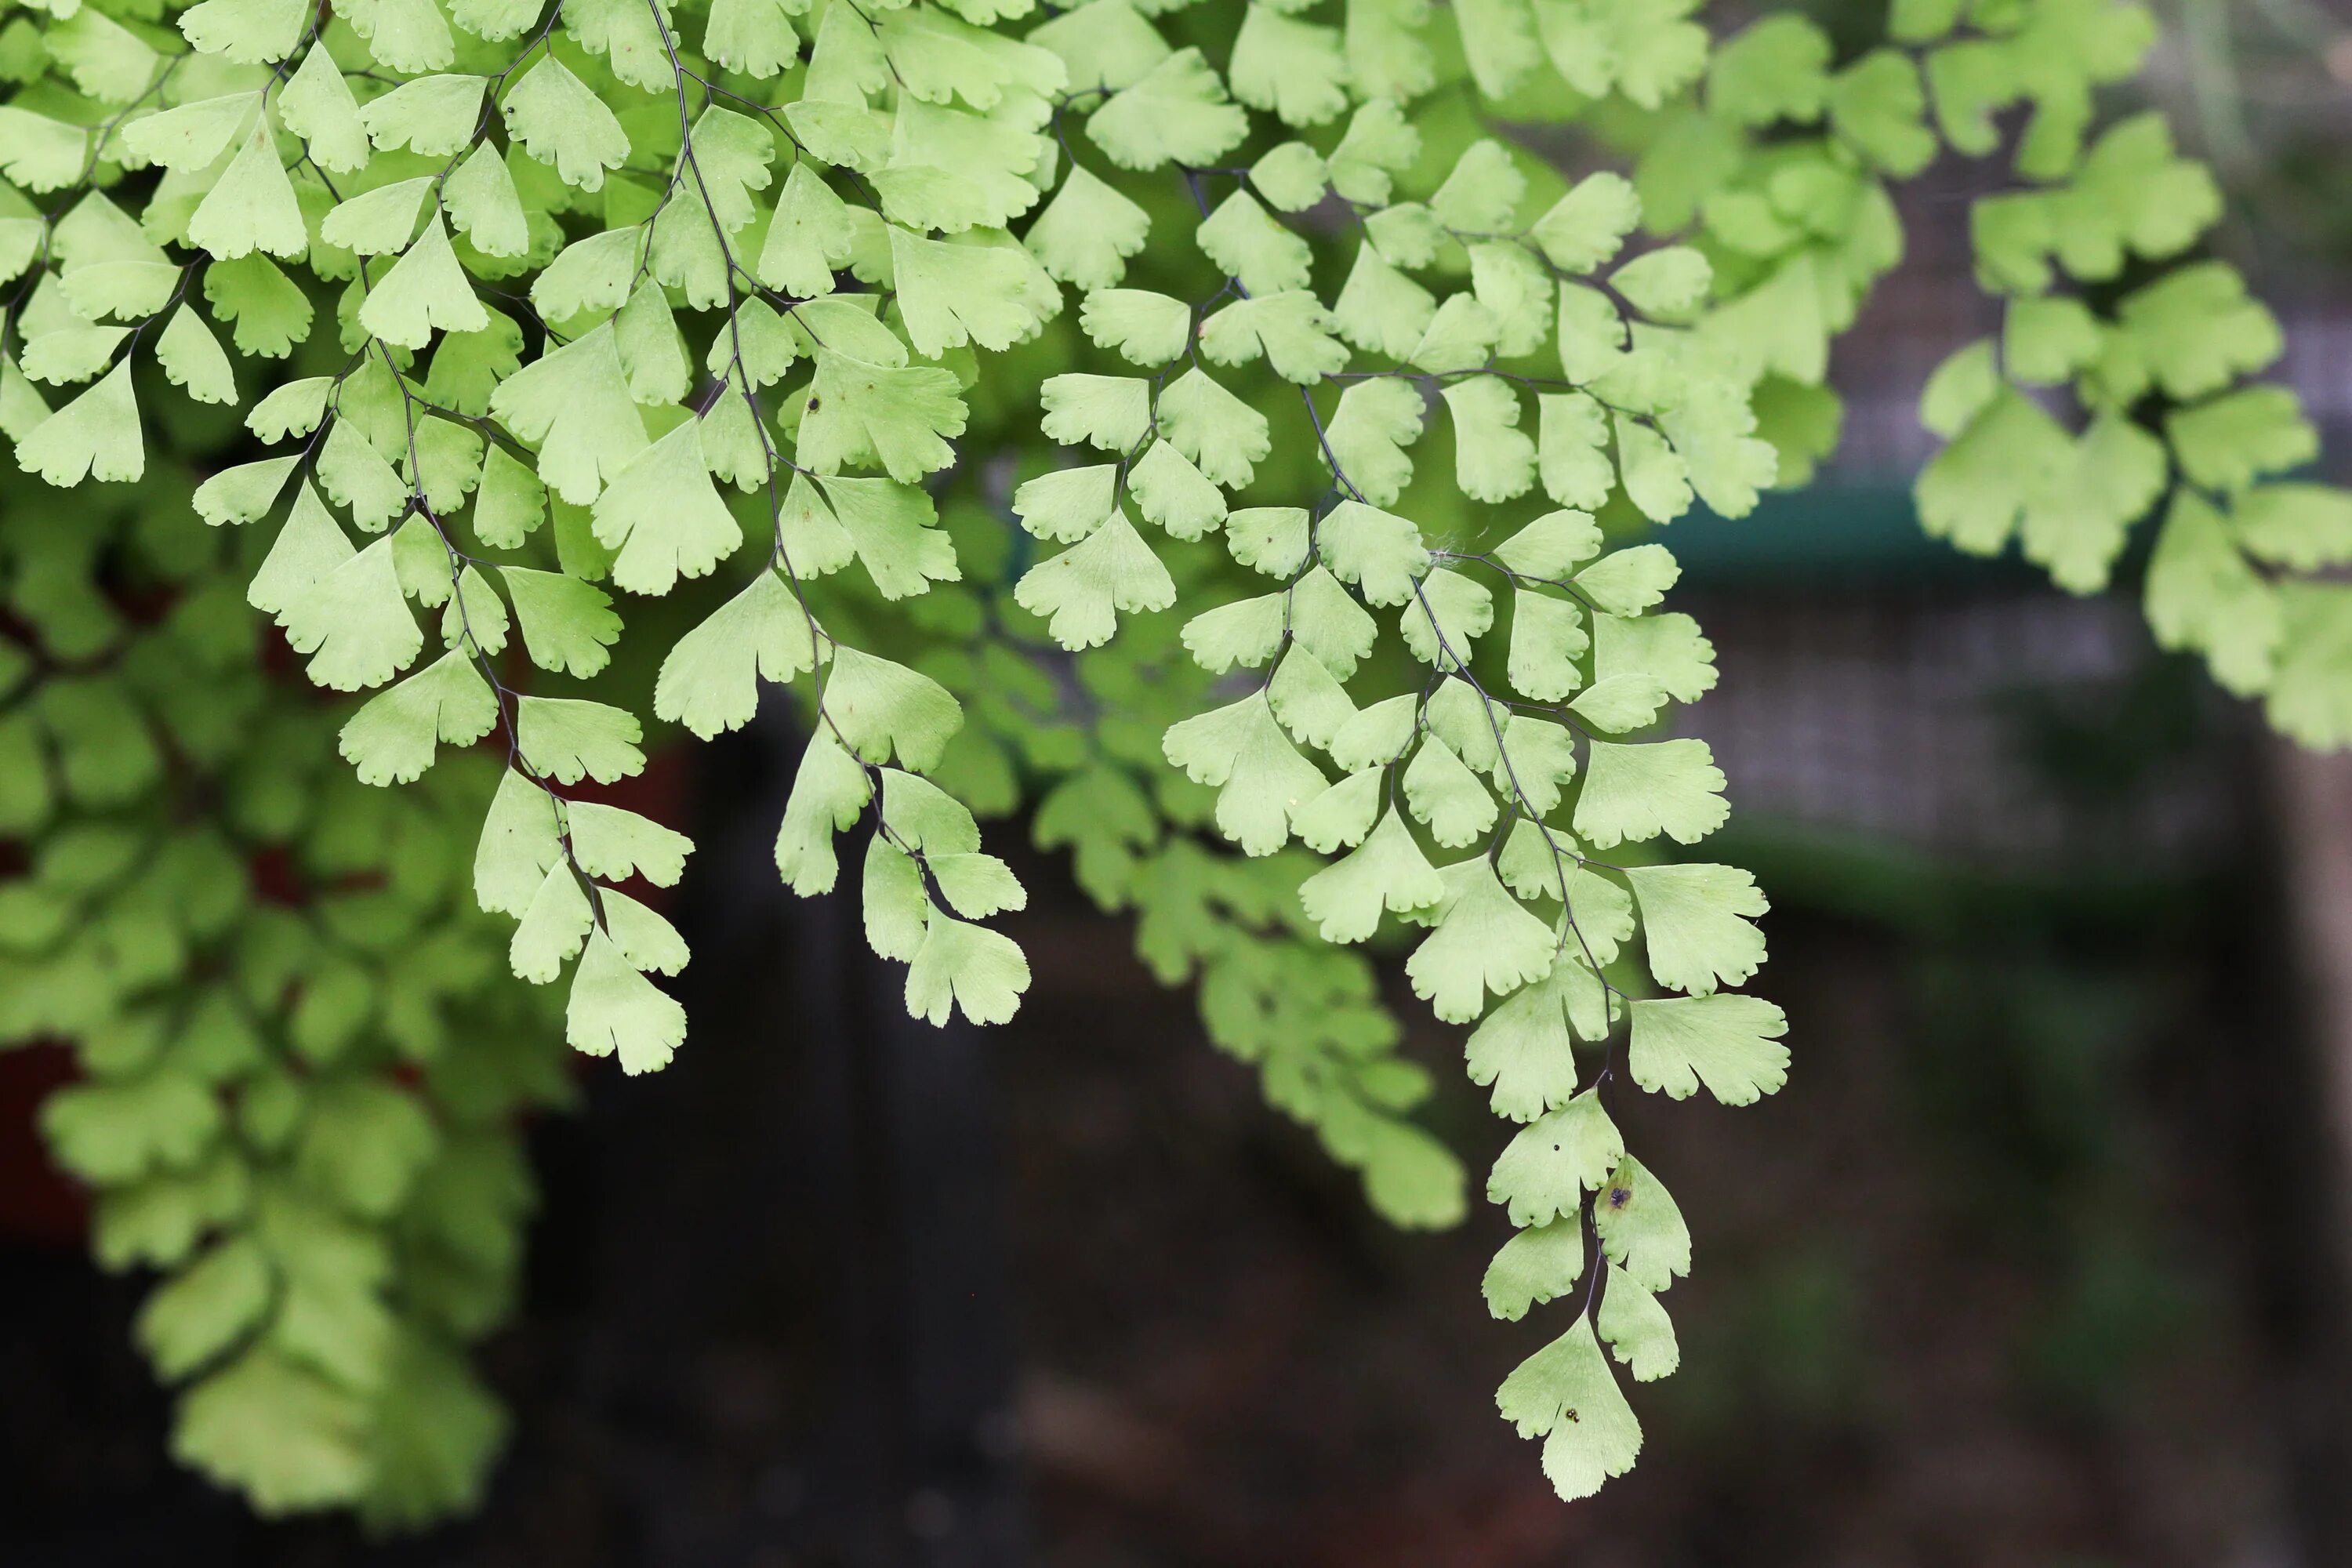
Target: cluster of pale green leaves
(1468, 800)
(2102, 404)
(545, 301)
(526, 328)
(504, 473)
(299, 1078)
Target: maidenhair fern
(1209, 423)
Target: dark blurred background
(2038, 1261)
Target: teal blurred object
(1863, 530)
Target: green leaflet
(353, 621)
(567, 625)
(392, 739)
(191, 135)
(1554, 1161)
(1086, 233)
(1695, 919)
(1262, 255)
(433, 115)
(662, 517)
(1483, 942)
(569, 739)
(97, 434)
(709, 681)
(573, 404)
(1380, 552)
(287, 1436)
(1638, 1332)
(955, 294)
(966, 967)
(1170, 491)
(1223, 437)
(1564, 1392)
(1177, 111)
(881, 708)
(558, 120)
(829, 790)
(251, 207)
(1641, 1228)
(424, 292)
(1730, 1044)
(1260, 777)
(1290, 329)
(1636, 792)
(316, 105)
(1388, 871)
(1538, 1264)
(1083, 590)
(615, 1011)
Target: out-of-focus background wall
(2039, 1262)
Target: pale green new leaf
(1555, 1160)
(1539, 1263)
(1639, 791)
(1641, 1228)
(1260, 777)
(1695, 921)
(1082, 591)
(251, 207)
(391, 740)
(1387, 871)
(568, 739)
(1637, 1329)
(568, 626)
(1730, 1043)
(1224, 437)
(1484, 941)
(614, 1009)
(883, 709)
(354, 623)
(96, 434)
(1566, 1393)
(965, 966)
